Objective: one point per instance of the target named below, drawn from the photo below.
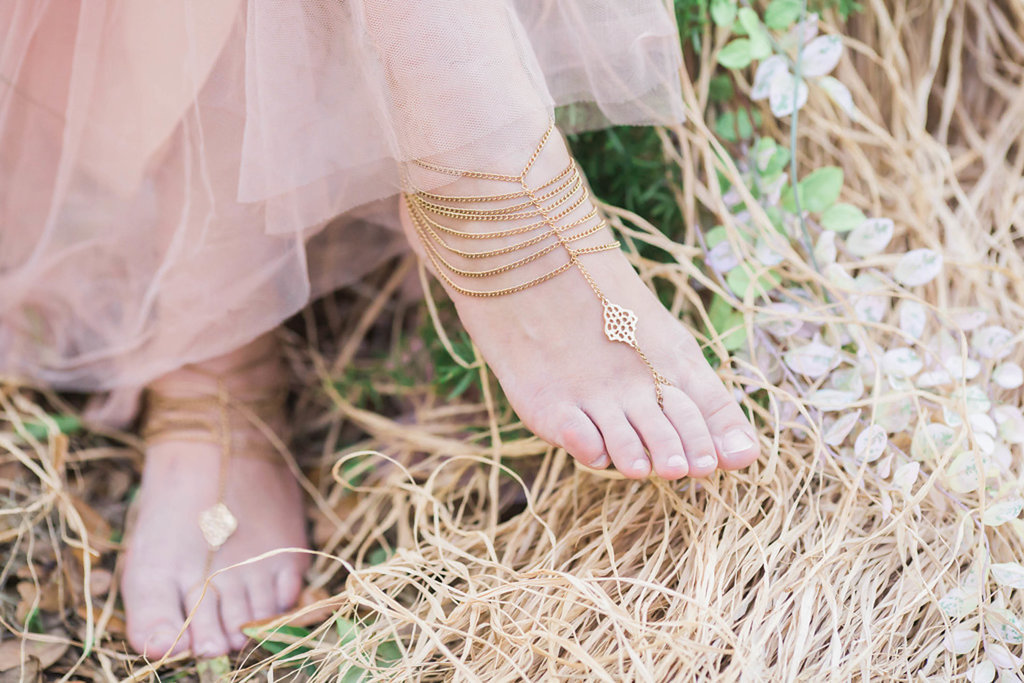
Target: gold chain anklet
(546, 209)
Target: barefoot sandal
(546, 209)
(238, 425)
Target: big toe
(734, 437)
(155, 620)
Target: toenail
(640, 465)
(736, 441)
(208, 649)
(705, 462)
(600, 462)
(676, 462)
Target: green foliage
(66, 424)
(450, 378)
(733, 126)
(728, 322)
(842, 217)
(736, 55)
(691, 16)
(782, 13)
(816, 192)
(844, 8)
(626, 167)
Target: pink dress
(179, 176)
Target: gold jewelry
(232, 422)
(547, 210)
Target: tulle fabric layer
(177, 178)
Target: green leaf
(728, 323)
(743, 124)
(720, 89)
(740, 281)
(777, 163)
(378, 556)
(715, 236)
(346, 628)
(760, 45)
(842, 217)
(267, 642)
(781, 14)
(818, 191)
(736, 55)
(725, 126)
(66, 424)
(723, 12)
(388, 652)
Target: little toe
(624, 446)
(287, 587)
(662, 441)
(235, 613)
(689, 424)
(580, 437)
(206, 630)
(155, 620)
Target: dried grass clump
(451, 545)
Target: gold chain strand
(440, 265)
(552, 206)
(571, 168)
(505, 233)
(499, 214)
(523, 261)
(515, 247)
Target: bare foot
(571, 385)
(168, 560)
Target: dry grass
(480, 553)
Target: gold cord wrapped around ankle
(240, 426)
(547, 210)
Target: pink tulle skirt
(178, 177)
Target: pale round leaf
(839, 430)
(821, 55)
(963, 473)
(813, 360)
(767, 71)
(1004, 624)
(932, 441)
(913, 318)
(982, 672)
(905, 476)
(870, 444)
(1001, 657)
(957, 604)
(918, 267)
(1008, 375)
(968, 319)
(839, 94)
(787, 95)
(825, 249)
(1001, 512)
(831, 399)
(902, 362)
(960, 641)
(1008, 574)
(870, 237)
(992, 341)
